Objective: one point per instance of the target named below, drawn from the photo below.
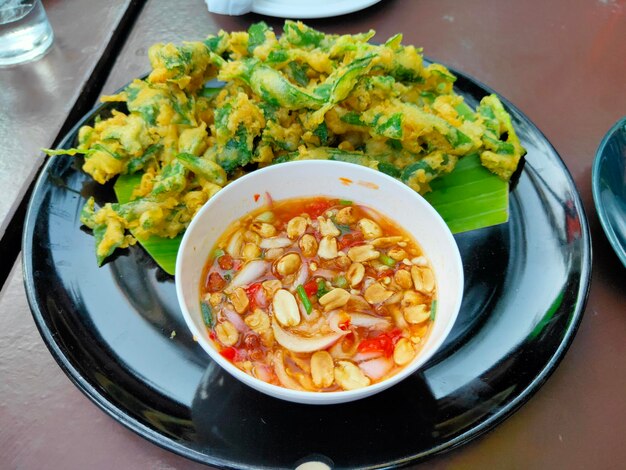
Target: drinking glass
(25, 33)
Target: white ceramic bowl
(338, 180)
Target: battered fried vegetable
(305, 95)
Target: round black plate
(119, 335)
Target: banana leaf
(162, 250)
(468, 198)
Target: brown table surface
(37, 97)
(563, 63)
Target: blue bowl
(608, 182)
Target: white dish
(321, 178)
(303, 9)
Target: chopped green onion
(228, 275)
(343, 228)
(304, 298)
(207, 315)
(433, 309)
(321, 288)
(340, 282)
(217, 253)
(345, 202)
(387, 260)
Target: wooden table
(562, 63)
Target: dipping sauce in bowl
(319, 282)
(318, 294)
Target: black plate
(111, 330)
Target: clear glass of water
(25, 33)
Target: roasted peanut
(369, 228)
(327, 228)
(398, 317)
(349, 376)
(267, 337)
(413, 308)
(396, 253)
(403, 352)
(357, 303)
(271, 286)
(355, 274)
(416, 313)
(334, 299)
(275, 242)
(216, 298)
(227, 333)
(376, 293)
(252, 237)
(308, 245)
(286, 309)
(384, 242)
(288, 264)
(239, 299)
(403, 278)
(235, 243)
(342, 261)
(263, 229)
(394, 299)
(274, 253)
(322, 369)
(362, 253)
(296, 227)
(346, 216)
(258, 321)
(423, 279)
(419, 261)
(250, 251)
(327, 248)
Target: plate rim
(337, 8)
(468, 436)
(598, 161)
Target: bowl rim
(309, 397)
(600, 160)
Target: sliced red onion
(303, 313)
(334, 317)
(263, 372)
(260, 298)
(300, 344)
(377, 368)
(369, 321)
(398, 317)
(235, 319)
(275, 242)
(368, 281)
(358, 303)
(337, 350)
(366, 356)
(234, 244)
(302, 274)
(281, 373)
(250, 272)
